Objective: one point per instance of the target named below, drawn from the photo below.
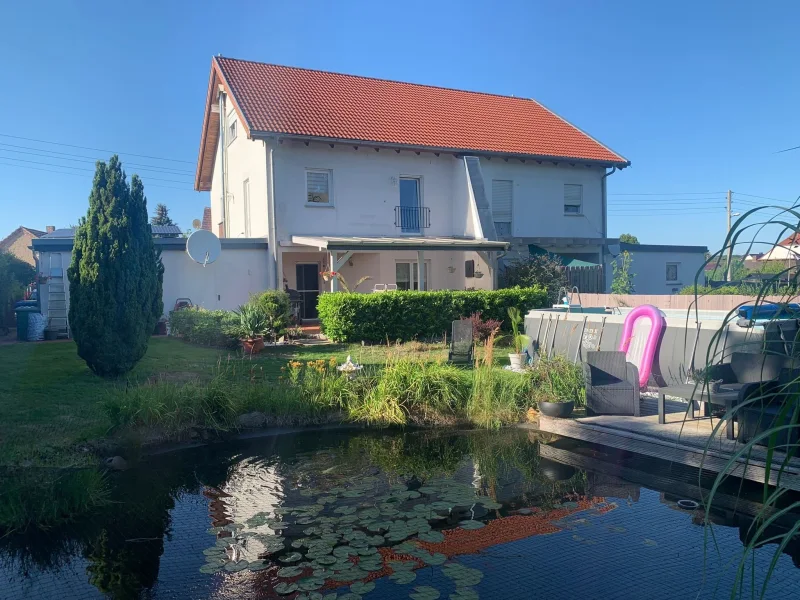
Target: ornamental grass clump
(556, 379)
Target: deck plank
(681, 441)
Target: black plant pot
(555, 471)
(560, 410)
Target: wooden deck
(682, 440)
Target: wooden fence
(676, 301)
(588, 279)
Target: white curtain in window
(317, 186)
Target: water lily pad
(307, 492)
(345, 510)
(489, 503)
(437, 558)
(288, 572)
(258, 565)
(405, 548)
(291, 557)
(462, 576)
(284, 588)
(362, 588)
(350, 596)
(369, 513)
(464, 593)
(233, 567)
(347, 519)
(214, 551)
(329, 596)
(309, 596)
(403, 577)
(326, 499)
(370, 567)
(369, 550)
(306, 520)
(209, 569)
(434, 537)
(379, 526)
(309, 584)
(353, 494)
(424, 592)
(471, 524)
(299, 542)
(344, 551)
(325, 560)
(427, 490)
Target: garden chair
(612, 384)
(461, 342)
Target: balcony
(412, 219)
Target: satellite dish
(196, 223)
(203, 247)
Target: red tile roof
(316, 104)
(792, 240)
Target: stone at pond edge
(251, 420)
(116, 463)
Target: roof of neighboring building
(309, 104)
(661, 248)
(792, 240)
(69, 232)
(6, 242)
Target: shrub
(406, 315)
(482, 328)
(15, 274)
(205, 327)
(277, 311)
(115, 275)
(542, 270)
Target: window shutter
(317, 186)
(469, 268)
(502, 200)
(573, 198)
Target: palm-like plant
(253, 322)
(520, 340)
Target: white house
(414, 186)
(664, 269)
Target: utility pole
(730, 245)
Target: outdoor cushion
(750, 367)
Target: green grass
(52, 404)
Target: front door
(308, 288)
(409, 205)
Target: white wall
(246, 161)
(364, 196)
(538, 197)
(225, 284)
(650, 269)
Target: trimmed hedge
(205, 327)
(351, 317)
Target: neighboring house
(226, 283)
(787, 250)
(18, 243)
(665, 269)
(414, 186)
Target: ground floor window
(407, 275)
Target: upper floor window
(318, 187)
(502, 201)
(573, 199)
(232, 131)
(672, 272)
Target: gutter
(272, 226)
(604, 186)
(223, 155)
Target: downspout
(272, 226)
(604, 192)
(223, 155)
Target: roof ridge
(424, 85)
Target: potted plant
(558, 384)
(520, 340)
(251, 327)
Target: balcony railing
(412, 219)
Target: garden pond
(351, 514)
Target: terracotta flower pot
(253, 346)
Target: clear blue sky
(698, 95)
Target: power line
(47, 153)
(761, 197)
(34, 162)
(645, 202)
(788, 149)
(667, 194)
(19, 137)
(149, 185)
(82, 160)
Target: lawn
(50, 401)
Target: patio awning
(397, 243)
(565, 260)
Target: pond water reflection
(424, 514)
